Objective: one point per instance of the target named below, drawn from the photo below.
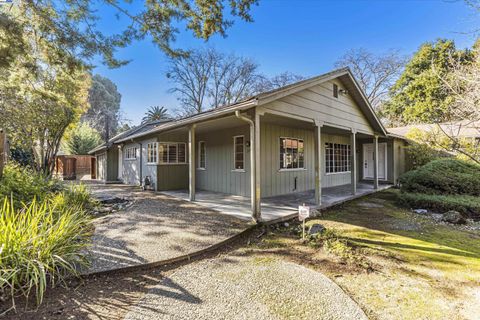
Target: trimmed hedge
(443, 177)
(469, 206)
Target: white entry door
(101, 166)
(368, 165)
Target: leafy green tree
(418, 95)
(104, 111)
(82, 139)
(72, 25)
(42, 93)
(156, 113)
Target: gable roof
(144, 127)
(463, 128)
(344, 74)
(348, 80)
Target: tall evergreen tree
(418, 95)
(104, 111)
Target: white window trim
(280, 169)
(160, 161)
(235, 153)
(325, 153)
(148, 153)
(199, 155)
(126, 154)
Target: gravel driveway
(156, 227)
(239, 287)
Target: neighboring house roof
(344, 74)
(144, 127)
(463, 128)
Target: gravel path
(239, 287)
(156, 227)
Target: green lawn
(417, 269)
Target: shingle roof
(144, 127)
(263, 97)
(463, 128)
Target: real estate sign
(303, 212)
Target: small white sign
(303, 212)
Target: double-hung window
(172, 152)
(202, 155)
(239, 152)
(292, 153)
(337, 158)
(152, 152)
(131, 153)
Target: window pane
(182, 154)
(163, 152)
(172, 153)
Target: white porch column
(353, 160)
(191, 162)
(257, 213)
(318, 162)
(375, 162)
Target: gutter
(211, 114)
(252, 161)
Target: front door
(368, 165)
(101, 166)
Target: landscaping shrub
(41, 244)
(443, 176)
(24, 184)
(75, 196)
(465, 204)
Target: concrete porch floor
(276, 207)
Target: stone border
(190, 257)
(195, 255)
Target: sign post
(303, 214)
(3, 150)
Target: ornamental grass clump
(40, 244)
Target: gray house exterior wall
(220, 174)
(318, 102)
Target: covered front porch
(276, 207)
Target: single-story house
(311, 135)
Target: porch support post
(375, 162)
(353, 160)
(318, 162)
(257, 214)
(191, 162)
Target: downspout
(141, 164)
(252, 164)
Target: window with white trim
(172, 152)
(337, 157)
(202, 155)
(292, 153)
(239, 152)
(131, 153)
(152, 152)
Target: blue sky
(305, 37)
